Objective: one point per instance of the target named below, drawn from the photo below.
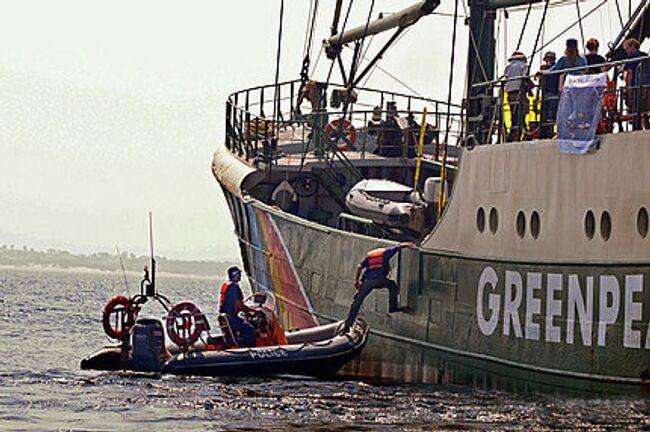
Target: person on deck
(550, 86)
(517, 93)
(633, 71)
(570, 59)
(231, 303)
(389, 134)
(377, 267)
(593, 58)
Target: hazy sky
(111, 109)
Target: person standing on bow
(571, 59)
(231, 303)
(517, 93)
(377, 267)
(637, 78)
(593, 58)
(550, 86)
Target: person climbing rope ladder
(377, 267)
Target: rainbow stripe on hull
(275, 271)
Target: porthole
(590, 225)
(521, 224)
(494, 220)
(605, 225)
(480, 220)
(534, 224)
(642, 222)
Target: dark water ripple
(50, 320)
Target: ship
(532, 266)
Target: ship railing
(253, 134)
(625, 107)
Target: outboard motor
(148, 345)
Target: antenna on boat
(148, 283)
(151, 287)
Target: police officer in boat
(231, 303)
(377, 267)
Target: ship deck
(380, 128)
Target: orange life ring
(126, 314)
(185, 322)
(348, 131)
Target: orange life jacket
(376, 258)
(222, 300)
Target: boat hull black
(317, 351)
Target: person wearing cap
(517, 92)
(633, 75)
(231, 303)
(570, 59)
(593, 58)
(550, 85)
(389, 134)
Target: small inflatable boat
(184, 345)
(318, 351)
(387, 203)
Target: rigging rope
(377, 67)
(313, 67)
(582, 30)
(345, 23)
(443, 174)
(276, 100)
(309, 41)
(308, 28)
(539, 33)
(451, 72)
(556, 37)
(523, 27)
(475, 45)
(620, 16)
(357, 60)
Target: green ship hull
(489, 323)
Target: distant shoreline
(37, 268)
(105, 263)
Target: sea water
(50, 319)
